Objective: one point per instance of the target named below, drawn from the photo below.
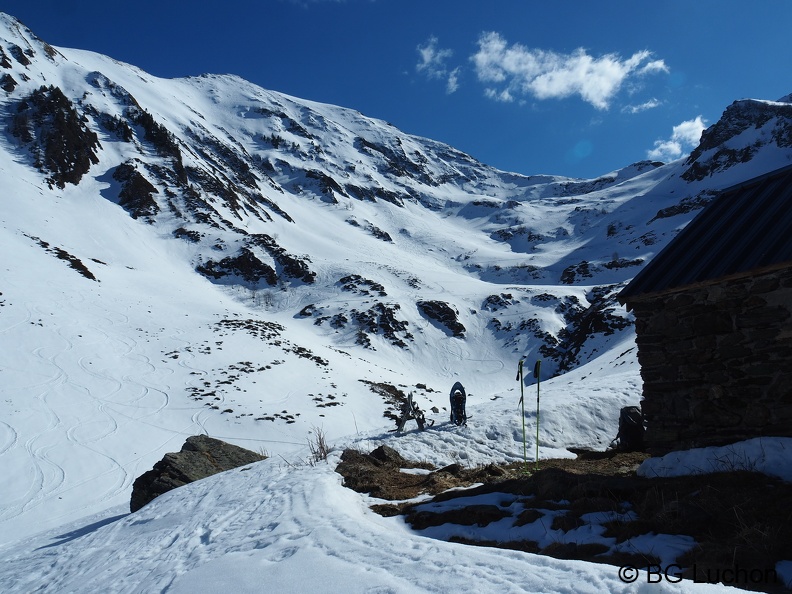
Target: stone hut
(713, 321)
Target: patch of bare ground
(741, 522)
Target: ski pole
(537, 373)
(522, 403)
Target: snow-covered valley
(239, 263)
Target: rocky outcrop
(444, 314)
(137, 193)
(200, 457)
(381, 319)
(715, 152)
(56, 135)
(380, 474)
(244, 265)
(295, 267)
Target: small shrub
(318, 446)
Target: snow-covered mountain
(203, 255)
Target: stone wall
(716, 362)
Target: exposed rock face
(381, 319)
(248, 266)
(137, 192)
(717, 151)
(244, 265)
(56, 135)
(200, 457)
(443, 313)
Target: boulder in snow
(200, 457)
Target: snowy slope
(283, 529)
(205, 256)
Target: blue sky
(567, 87)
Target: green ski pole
(522, 404)
(537, 372)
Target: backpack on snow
(631, 430)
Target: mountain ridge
(225, 186)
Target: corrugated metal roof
(749, 226)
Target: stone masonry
(716, 361)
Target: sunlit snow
(100, 378)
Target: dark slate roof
(747, 227)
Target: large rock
(200, 456)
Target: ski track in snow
(47, 475)
(10, 324)
(9, 437)
(91, 387)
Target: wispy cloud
(432, 63)
(452, 84)
(684, 137)
(512, 71)
(646, 105)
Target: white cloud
(544, 74)
(653, 67)
(684, 137)
(651, 104)
(503, 95)
(432, 59)
(452, 84)
(433, 64)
